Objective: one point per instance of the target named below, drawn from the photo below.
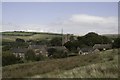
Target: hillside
(111, 35)
(11, 36)
(103, 65)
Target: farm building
(39, 49)
(102, 46)
(19, 52)
(85, 50)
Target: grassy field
(11, 36)
(99, 65)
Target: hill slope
(11, 36)
(91, 65)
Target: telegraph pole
(62, 35)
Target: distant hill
(111, 35)
(11, 36)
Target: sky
(73, 17)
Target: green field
(11, 36)
(99, 65)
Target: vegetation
(91, 65)
(57, 53)
(89, 39)
(116, 43)
(8, 58)
(11, 36)
(57, 41)
(58, 64)
(30, 55)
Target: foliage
(71, 45)
(56, 41)
(39, 57)
(116, 43)
(57, 53)
(20, 40)
(51, 51)
(6, 48)
(39, 42)
(30, 55)
(89, 39)
(42, 67)
(8, 58)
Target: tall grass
(100, 70)
(91, 65)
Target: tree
(20, 40)
(116, 43)
(105, 40)
(91, 39)
(30, 55)
(57, 41)
(51, 51)
(57, 53)
(8, 58)
(71, 45)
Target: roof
(101, 46)
(19, 50)
(86, 49)
(37, 46)
(58, 47)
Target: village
(43, 49)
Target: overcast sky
(74, 17)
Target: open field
(102, 65)
(11, 36)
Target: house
(19, 52)
(39, 49)
(102, 46)
(95, 51)
(86, 50)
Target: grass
(100, 70)
(11, 36)
(91, 65)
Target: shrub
(8, 58)
(30, 55)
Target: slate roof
(58, 47)
(101, 46)
(37, 46)
(19, 50)
(87, 49)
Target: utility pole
(62, 36)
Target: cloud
(76, 24)
(82, 24)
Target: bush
(57, 41)
(57, 53)
(8, 58)
(30, 55)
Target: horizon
(76, 18)
(60, 33)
